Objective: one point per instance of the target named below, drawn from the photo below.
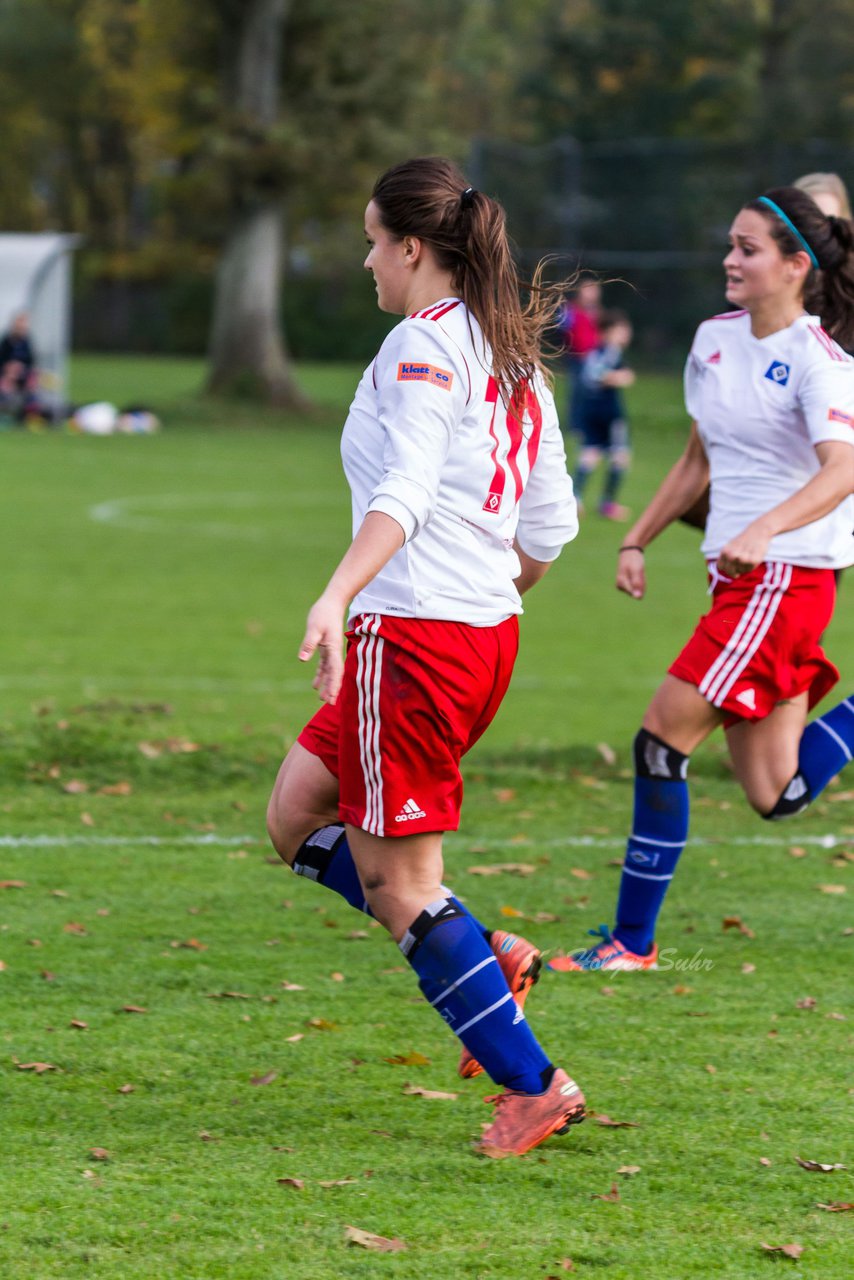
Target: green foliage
(178, 617)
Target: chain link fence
(652, 212)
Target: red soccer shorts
(417, 695)
(759, 642)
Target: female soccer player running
(772, 398)
(461, 500)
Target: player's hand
(744, 552)
(324, 630)
(631, 574)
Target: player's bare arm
(681, 487)
(377, 540)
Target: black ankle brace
(317, 851)
(655, 758)
(794, 799)
(435, 913)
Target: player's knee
(620, 459)
(286, 834)
(589, 458)
(794, 799)
(655, 758)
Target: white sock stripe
(644, 875)
(761, 628)
(748, 635)
(485, 1014)
(836, 738)
(657, 844)
(459, 982)
(848, 703)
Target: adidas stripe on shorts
(417, 695)
(759, 642)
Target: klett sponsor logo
(836, 415)
(410, 371)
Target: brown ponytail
(829, 289)
(466, 229)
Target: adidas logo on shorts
(410, 812)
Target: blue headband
(775, 208)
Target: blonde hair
(830, 184)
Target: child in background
(602, 418)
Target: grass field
(197, 1073)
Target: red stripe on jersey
(435, 312)
(536, 415)
(496, 489)
(835, 352)
(730, 315)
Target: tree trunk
(247, 354)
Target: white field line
(149, 513)
(828, 841)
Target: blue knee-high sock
(460, 977)
(659, 833)
(325, 857)
(827, 746)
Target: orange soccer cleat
(524, 1120)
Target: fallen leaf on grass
(602, 1119)
(629, 1169)
(48, 976)
(831, 888)
(116, 789)
(126, 1088)
(207, 1137)
(411, 1059)
(191, 944)
(337, 977)
(367, 1240)
(815, 1166)
(837, 1017)
(681, 990)
(415, 1091)
(75, 787)
(296, 1183)
(607, 991)
(337, 1182)
(748, 968)
(763, 1160)
(132, 1008)
(611, 1196)
(736, 922)
(503, 795)
(322, 1024)
(788, 1250)
(580, 873)
(265, 1079)
(99, 1153)
(75, 927)
(356, 935)
(807, 1002)
(565, 1264)
(228, 995)
(291, 986)
(836, 1206)
(78, 1025)
(503, 868)
(13, 884)
(300, 1035)
(607, 753)
(512, 913)
(797, 851)
(712, 1070)
(87, 820)
(38, 1067)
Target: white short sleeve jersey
(429, 442)
(761, 406)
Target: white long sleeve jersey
(429, 441)
(761, 406)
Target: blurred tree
(247, 353)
